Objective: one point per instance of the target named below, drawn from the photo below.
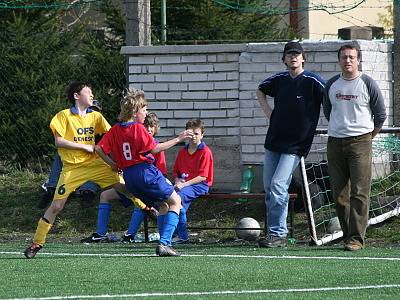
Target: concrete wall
(217, 83)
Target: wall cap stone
(183, 49)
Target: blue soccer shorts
(191, 192)
(147, 183)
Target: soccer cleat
(32, 250)
(128, 238)
(95, 238)
(163, 250)
(272, 241)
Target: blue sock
(103, 216)
(136, 221)
(160, 222)
(168, 228)
(182, 225)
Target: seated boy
(129, 147)
(193, 172)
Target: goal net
(385, 188)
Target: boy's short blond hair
(131, 103)
(152, 120)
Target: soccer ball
(246, 229)
(334, 225)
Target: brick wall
(217, 83)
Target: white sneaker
(44, 186)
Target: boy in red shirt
(129, 147)
(120, 193)
(152, 125)
(193, 172)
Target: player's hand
(88, 148)
(186, 134)
(179, 185)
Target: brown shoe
(352, 246)
(163, 250)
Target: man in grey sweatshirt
(355, 109)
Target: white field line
(208, 255)
(214, 293)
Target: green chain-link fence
(40, 55)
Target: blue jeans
(55, 171)
(278, 169)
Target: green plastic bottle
(247, 180)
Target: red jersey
(129, 143)
(200, 163)
(161, 162)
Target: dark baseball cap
(96, 105)
(293, 47)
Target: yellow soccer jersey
(73, 127)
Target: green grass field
(121, 271)
(217, 267)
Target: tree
(41, 54)
(102, 64)
(387, 21)
(37, 54)
(205, 20)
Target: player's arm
(170, 143)
(60, 142)
(180, 185)
(107, 159)
(377, 105)
(262, 99)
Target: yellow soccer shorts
(73, 176)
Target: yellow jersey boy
(74, 131)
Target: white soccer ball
(334, 225)
(246, 229)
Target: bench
(234, 196)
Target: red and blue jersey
(160, 161)
(200, 163)
(128, 143)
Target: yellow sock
(41, 232)
(138, 203)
